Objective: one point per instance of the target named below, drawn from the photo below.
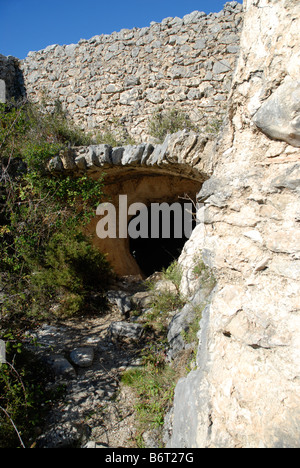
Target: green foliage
(25, 395)
(113, 139)
(54, 125)
(214, 126)
(31, 129)
(164, 303)
(154, 385)
(42, 217)
(166, 300)
(174, 274)
(114, 134)
(72, 269)
(48, 267)
(167, 122)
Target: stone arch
(145, 174)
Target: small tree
(168, 122)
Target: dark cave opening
(163, 236)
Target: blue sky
(34, 24)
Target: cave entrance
(168, 227)
(139, 256)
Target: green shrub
(168, 122)
(42, 217)
(214, 126)
(48, 268)
(163, 304)
(25, 396)
(154, 385)
(71, 270)
(174, 274)
(115, 134)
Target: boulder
(55, 164)
(279, 116)
(120, 299)
(125, 331)
(82, 357)
(62, 367)
(143, 299)
(100, 155)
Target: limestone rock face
(279, 116)
(245, 391)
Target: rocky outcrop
(278, 117)
(2, 91)
(126, 331)
(245, 391)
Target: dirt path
(96, 409)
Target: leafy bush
(168, 122)
(71, 270)
(25, 396)
(154, 385)
(174, 274)
(114, 133)
(42, 216)
(48, 268)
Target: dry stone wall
(119, 80)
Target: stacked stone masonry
(120, 80)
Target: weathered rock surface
(2, 91)
(245, 390)
(184, 153)
(121, 300)
(61, 366)
(89, 415)
(82, 357)
(125, 331)
(279, 116)
(125, 76)
(11, 79)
